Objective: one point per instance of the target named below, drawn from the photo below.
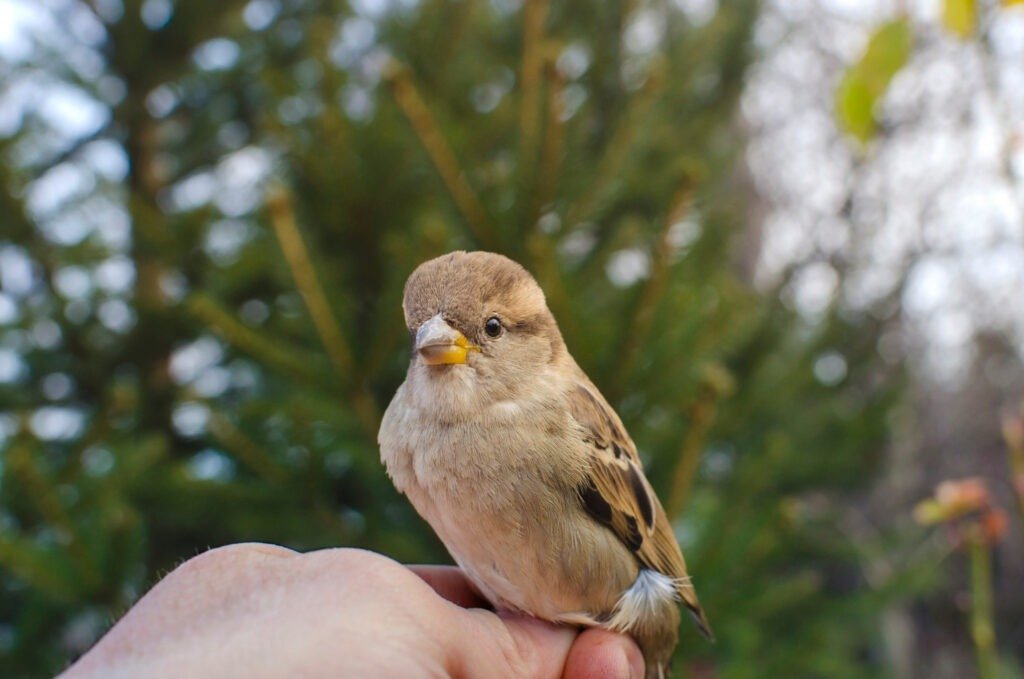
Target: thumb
(598, 653)
(513, 646)
(527, 647)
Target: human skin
(254, 610)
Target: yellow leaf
(960, 17)
(855, 107)
(866, 81)
(1011, 3)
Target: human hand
(258, 610)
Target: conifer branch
(715, 383)
(688, 459)
(437, 147)
(540, 245)
(615, 152)
(245, 450)
(554, 137)
(535, 14)
(282, 218)
(20, 557)
(635, 332)
(268, 351)
(249, 453)
(43, 495)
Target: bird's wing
(617, 494)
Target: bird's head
(481, 319)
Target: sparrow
(512, 455)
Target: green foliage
(237, 397)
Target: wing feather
(617, 494)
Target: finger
(506, 645)
(600, 654)
(451, 583)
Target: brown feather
(618, 494)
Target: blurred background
(785, 238)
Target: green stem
(1013, 433)
(982, 626)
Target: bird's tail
(689, 596)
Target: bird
(527, 475)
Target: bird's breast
(512, 541)
(499, 489)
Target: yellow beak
(440, 344)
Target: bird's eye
(493, 327)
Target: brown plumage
(633, 510)
(526, 473)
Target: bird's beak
(440, 344)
